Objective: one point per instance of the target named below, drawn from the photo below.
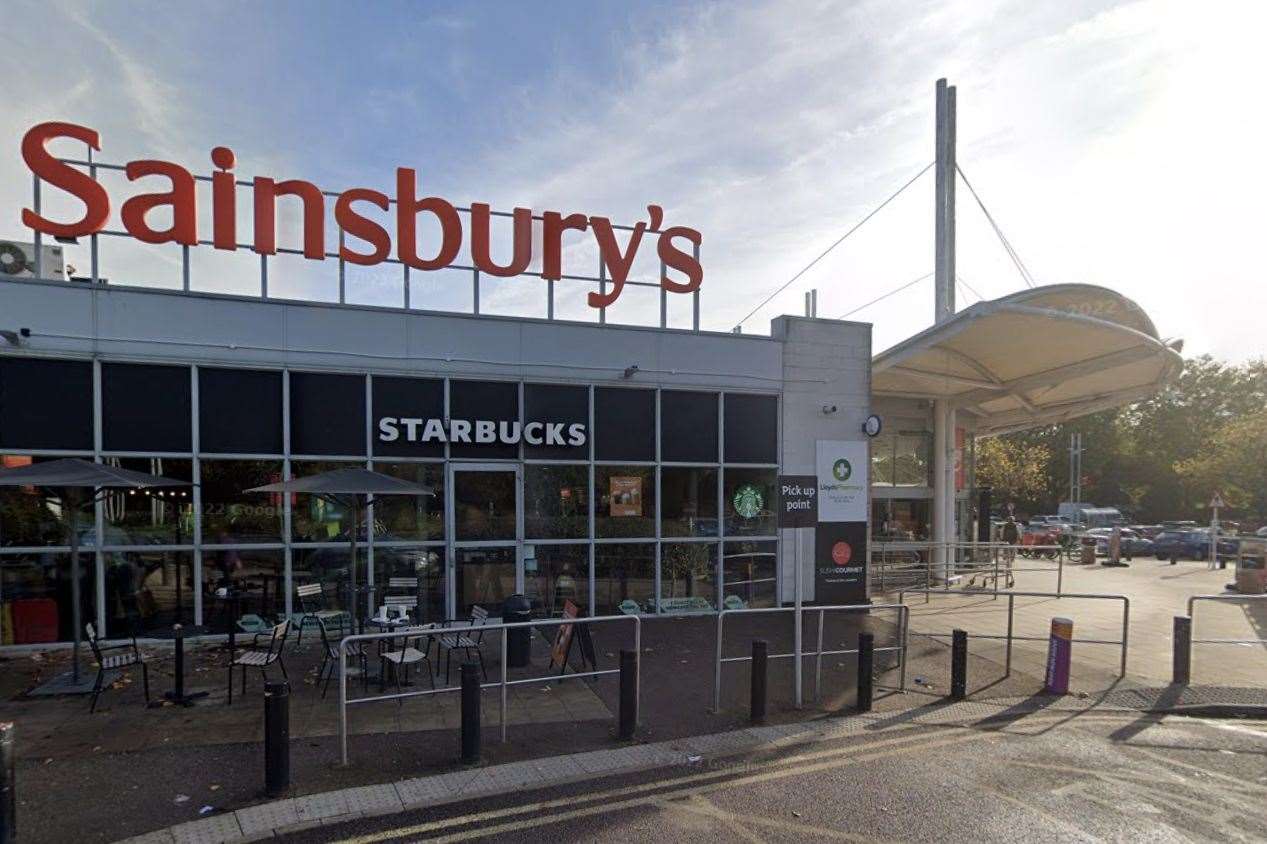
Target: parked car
(1147, 531)
(1262, 531)
(1133, 545)
(1191, 545)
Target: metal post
(470, 713)
(276, 737)
(8, 785)
(343, 705)
(866, 670)
(1183, 650)
(628, 694)
(179, 631)
(717, 666)
(760, 652)
(501, 706)
(1060, 573)
(959, 665)
(818, 659)
(797, 645)
(1007, 667)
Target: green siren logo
(841, 470)
(748, 501)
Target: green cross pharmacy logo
(841, 469)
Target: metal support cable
(881, 298)
(969, 287)
(839, 241)
(1012, 253)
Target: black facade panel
(327, 413)
(751, 429)
(624, 423)
(240, 411)
(688, 427)
(145, 408)
(45, 404)
(494, 401)
(558, 404)
(407, 398)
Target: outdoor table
(384, 625)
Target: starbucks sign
(748, 501)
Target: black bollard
(866, 663)
(276, 738)
(959, 665)
(628, 694)
(8, 785)
(760, 652)
(1183, 650)
(470, 713)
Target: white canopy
(1037, 357)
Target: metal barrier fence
(907, 565)
(1185, 638)
(903, 612)
(1011, 612)
(503, 684)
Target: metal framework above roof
(1037, 357)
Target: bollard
(1059, 654)
(866, 663)
(1183, 650)
(959, 665)
(470, 713)
(628, 694)
(276, 737)
(760, 651)
(8, 785)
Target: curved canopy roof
(1033, 358)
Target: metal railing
(907, 565)
(503, 684)
(1183, 650)
(818, 653)
(1010, 637)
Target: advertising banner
(842, 481)
(840, 563)
(626, 495)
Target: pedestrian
(1011, 536)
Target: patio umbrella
(74, 482)
(353, 488)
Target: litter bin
(1088, 551)
(515, 609)
(1251, 567)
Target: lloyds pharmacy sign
(479, 431)
(362, 238)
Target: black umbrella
(353, 488)
(74, 482)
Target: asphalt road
(1040, 777)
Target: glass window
(316, 519)
(752, 428)
(624, 501)
(491, 401)
(45, 404)
(407, 398)
(30, 517)
(327, 413)
(688, 577)
(485, 577)
(751, 505)
(882, 459)
(912, 459)
(749, 577)
(231, 515)
(148, 591)
(555, 574)
(425, 563)
(239, 411)
(558, 404)
(35, 597)
(688, 427)
(155, 516)
(901, 520)
(260, 580)
(145, 408)
(484, 505)
(556, 502)
(689, 501)
(624, 579)
(412, 517)
(624, 423)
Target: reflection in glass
(35, 597)
(556, 502)
(751, 505)
(259, 578)
(485, 577)
(688, 577)
(554, 574)
(624, 579)
(28, 517)
(231, 515)
(748, 577)
(148, 591)
(689, 501)
(902, 458)
(416, 517)
(900, 520)
(151, 517)
(315, 519)
(484, 505)
(624, 501)
(427, 563)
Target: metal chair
(256, 657)
(465, 642)
(330, 659)
(311, 597)
(408, 655)
(114, 662)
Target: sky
(1116, 144)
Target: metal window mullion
(658, 504)
(406, 285)
(343, 285)
(98, 506)
(695, 297)
(195, 440)
(593, 502)
(721, 494)
(475, 291)
(39, 238)
(602, 288)
(263, 276)
(664, 300)
(288, 564)
(450, 522)
(369, 508)
(92, 240)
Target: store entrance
(486, 518)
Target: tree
(1016, 469)
(1234, 465)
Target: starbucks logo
(748, 501)
(841, 469)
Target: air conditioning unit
(17, 260)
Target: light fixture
(630, 371)
(15, 338)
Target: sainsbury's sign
(371, 242)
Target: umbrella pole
(356, 519)
(76, 612)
